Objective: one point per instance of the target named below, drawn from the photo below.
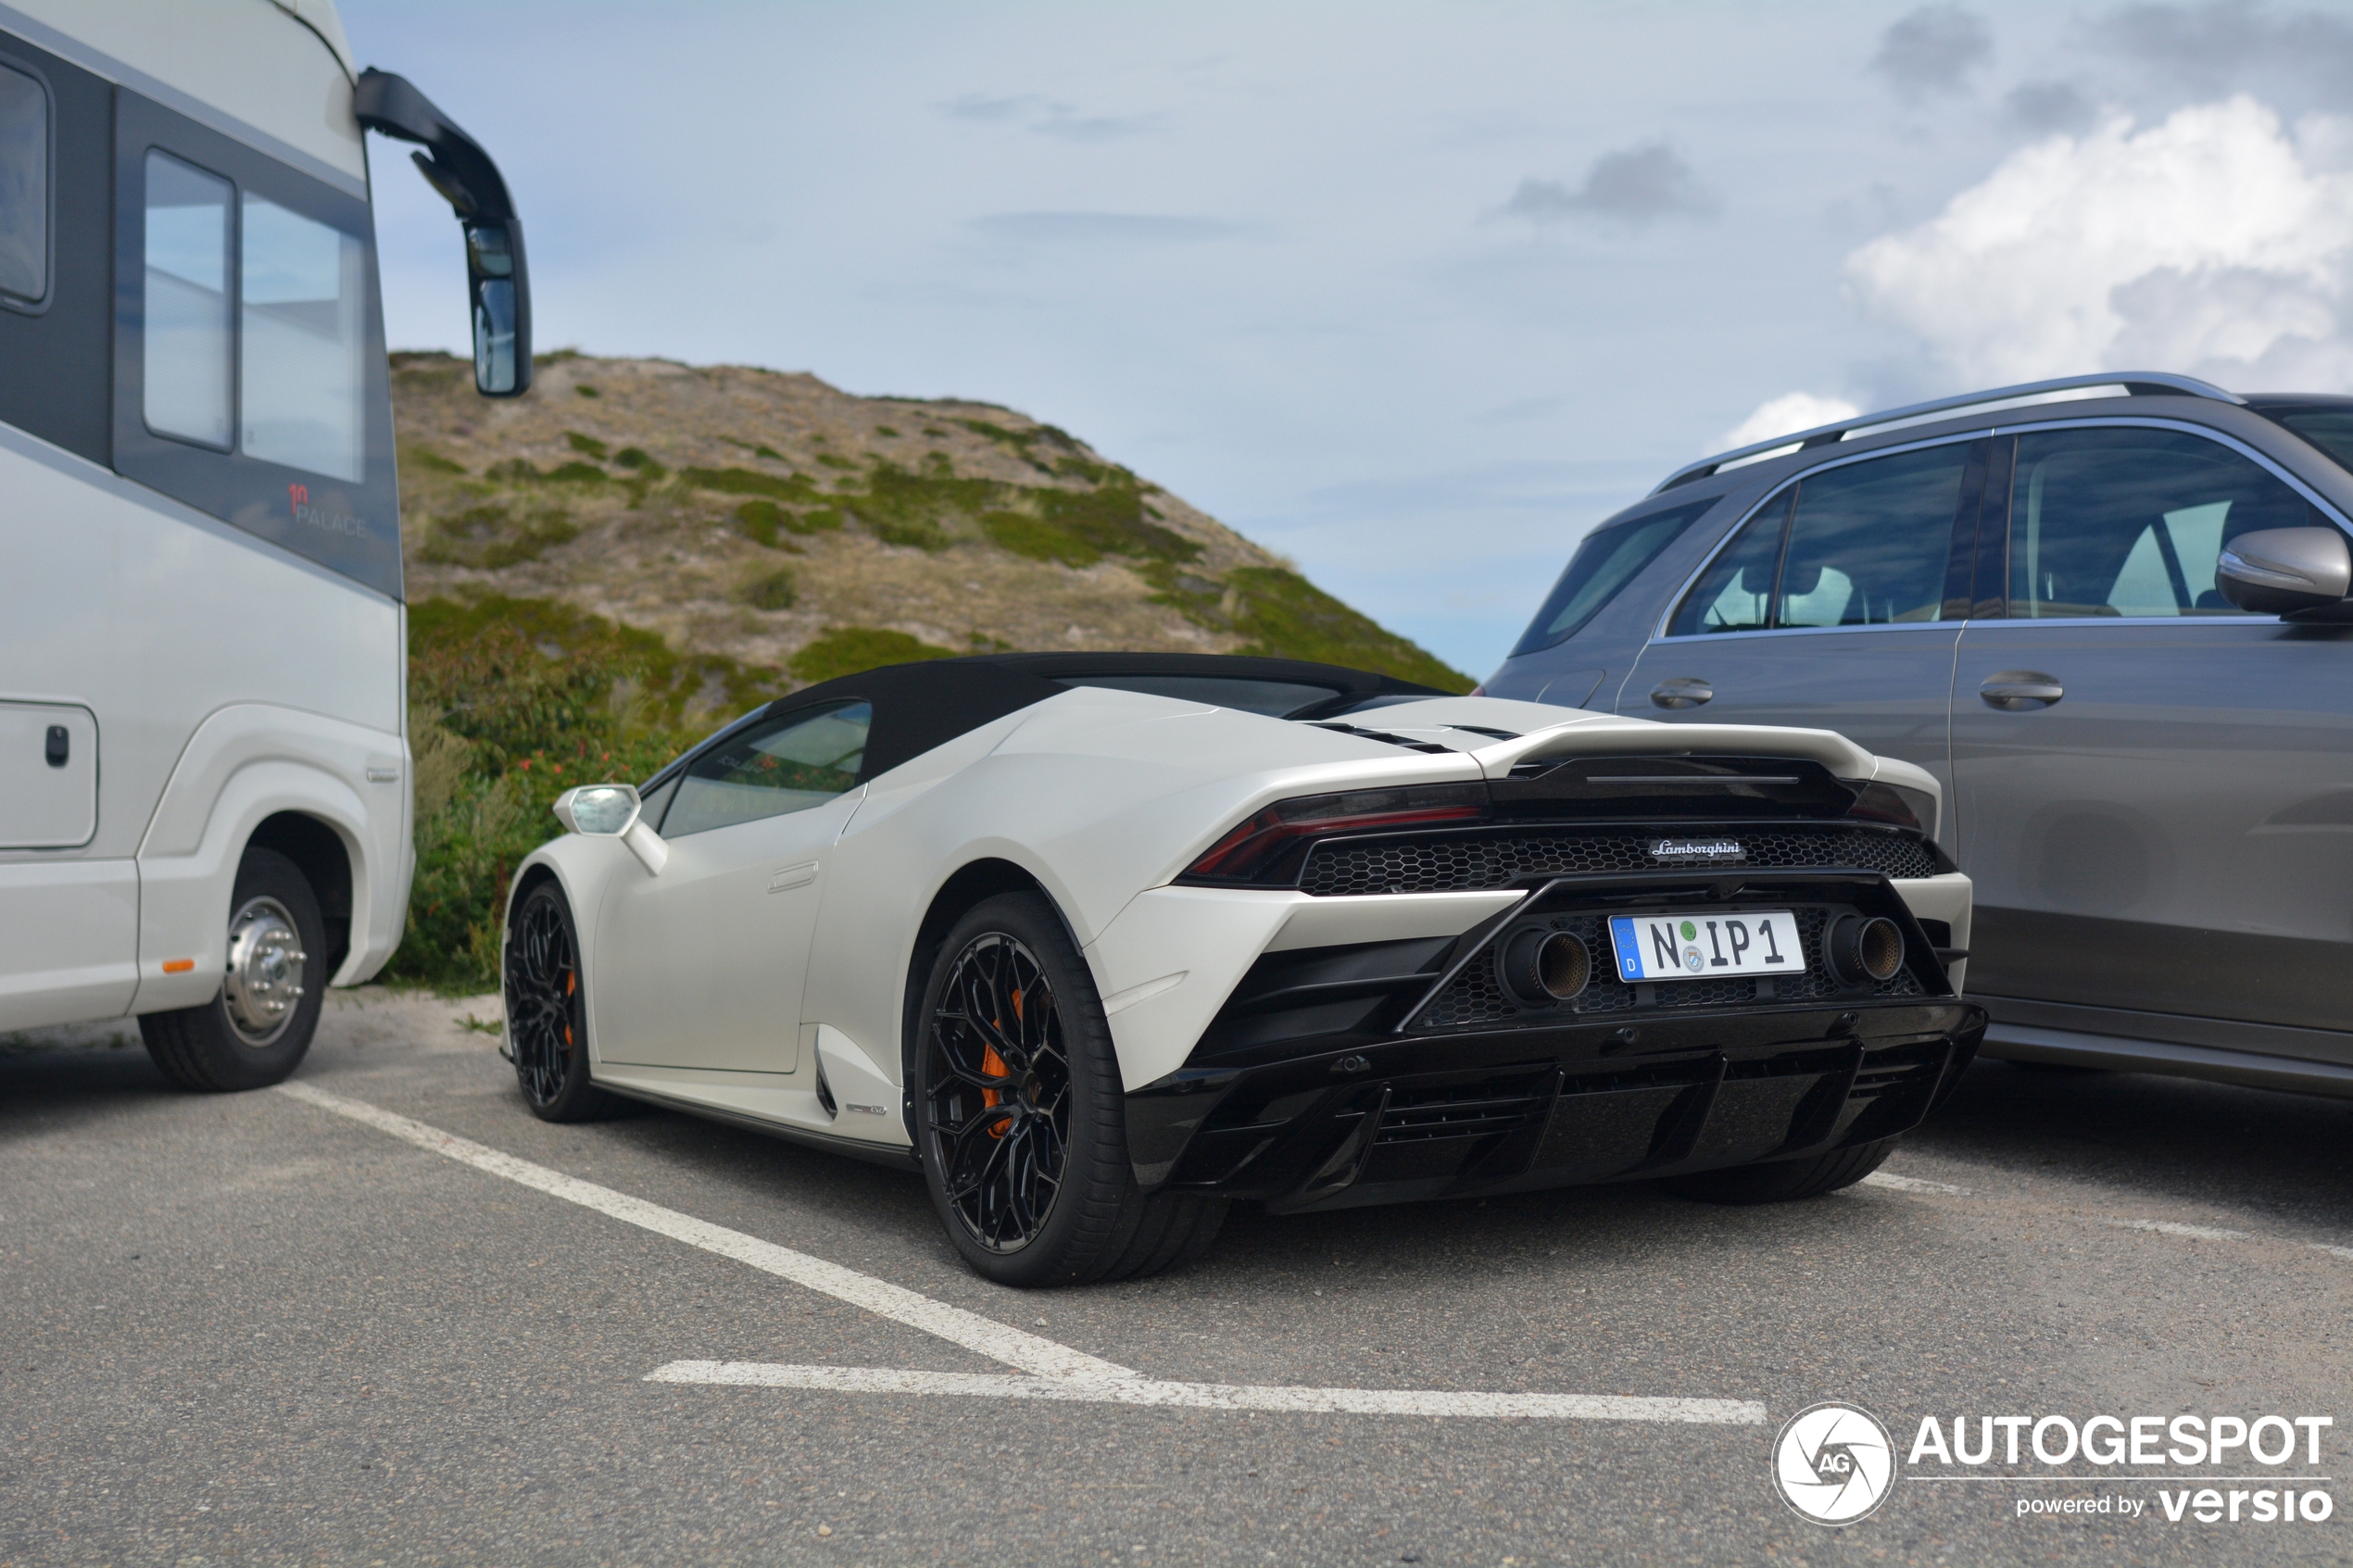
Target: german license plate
(1697, 947)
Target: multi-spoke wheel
(1022, 1127)
(546, 1012)
(257, 1027)
(1000, 1092)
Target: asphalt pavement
(260, 1328)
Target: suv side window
(1863, 543)
(2129, 522)
(1608, 559)
(788, 764)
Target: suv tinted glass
(2123, 521)
(1866, 543)
(1608, 559)
(788, 764)
(1872, 542)
(1735, 594)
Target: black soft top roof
(921, 706)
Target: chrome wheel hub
(264, 982)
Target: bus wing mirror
(498, 285)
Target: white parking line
(1215, 1396)
(1057, 1371)
(1912, 1184)
(2173, 1227)
(974, 1332)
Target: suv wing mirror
(2285, 572)
(613, 811)
(497, 287)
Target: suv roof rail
(2136, 384)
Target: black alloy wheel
(1021, 1113)
(546, 1012)
(1000, 1092)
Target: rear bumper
(1386, 1071)
(1517, 1108)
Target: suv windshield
(2329, 429)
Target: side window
(249, 372)
(2128, 523)
(302, 288)
(24, 189)
(1872, 542)
(796, 761)
(1735, 594)
(1869, 544)
(188, 332)
(1608, 559)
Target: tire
(548, 1011)
(256, 1031)
(1022, 1130)
(1787, 1180)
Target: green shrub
(751, 482)
(426, 458)
(587, 443)
(496, 534)
(844, 651)
(774, 590)
(640, 461)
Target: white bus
(204, 770)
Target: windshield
(2329, 429)
(1606, 561)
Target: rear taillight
(1257, 843)
(1902, 806)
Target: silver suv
(2109, 614)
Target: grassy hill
(600, 571)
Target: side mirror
(613, 811)
(497, 287)
(500, 293)
(2286, 570)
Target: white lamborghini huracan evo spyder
(1102, 943)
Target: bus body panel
(249, 61)
(232, 684)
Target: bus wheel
(256, 1031)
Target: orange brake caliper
(994, 1065)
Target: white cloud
(2214, 243)
(1781, 416)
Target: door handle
(2020, 691)
(1683, 691)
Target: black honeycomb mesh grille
(1477, 998)
(1454, 862)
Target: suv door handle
(2020, 691)
(1684, 691)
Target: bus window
(187, 323)
(301, 392)
(24, 188)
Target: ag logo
(1834, 1463)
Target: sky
(1414, 294)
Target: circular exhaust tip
(1563, 966)
(1866, 949)
(1541, 967)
